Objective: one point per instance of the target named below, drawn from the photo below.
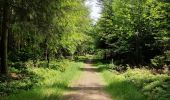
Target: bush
(167, 56)
(17, 65)
(160, 61)
(154, 86)
(43, 64)
(60, 65)
(24, 79)
(137, 81)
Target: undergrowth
(136, 84)
(40, 83)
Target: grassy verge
(136, 84)
(50, 83)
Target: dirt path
(88, 87)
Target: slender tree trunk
(0, 36)
(4, 40)
(47, 53)
(137, 48)
(47, 56)
(48, 59)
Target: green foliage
(160, 61)
(120, 88)
(76, 24)
(133, 32)
(153, 86)
(23, 79)
(136, 84)
(40, 83)
(46, 29)
(60, 65)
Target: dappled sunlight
(52, 85)
(89, 69)
(136, 84)
(38, 94)
(83, 87)
(90, 86)
(85, 49)
(123, 90)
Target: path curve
(90, 86)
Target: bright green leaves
(72, 41)
(75, 23)
(47, 29)
(137, 28)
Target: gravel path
(88, 87)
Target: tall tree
(134, 31)
(4, 36)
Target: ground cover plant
(135, 84)
(41, 83)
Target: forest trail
(90, 86)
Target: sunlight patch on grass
(52, 85)
(136, 84)
(119, 88)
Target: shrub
(160, 61)
(154, 86)
(24, 79)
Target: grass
(51, 86)
(120, 89)
(135, 84)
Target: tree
(38, 30)
(133, 31)
(4, 36)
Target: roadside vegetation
(40, 83)
(135, 84)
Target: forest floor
(90, 86)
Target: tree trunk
(137, 49)
(47, 56)
(4, 40)
(47, 52)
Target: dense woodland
(53, 34)
(42, 30)
(135, 31)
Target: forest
(54, 50)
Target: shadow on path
(89, 69)
(90, 86)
